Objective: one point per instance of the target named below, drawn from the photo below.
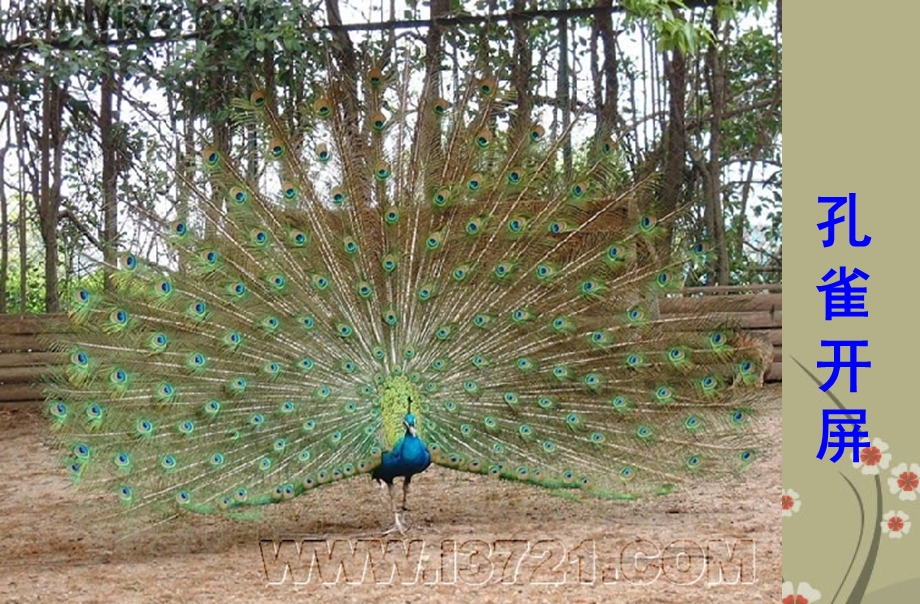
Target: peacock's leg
(397, 524)
(405, 505)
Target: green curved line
(859, 590)
(865, 574)
(862, 529)
(818, 381)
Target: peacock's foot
(398, 526)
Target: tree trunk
(429, 141)
(562, 89)
(4, 233)
(520, 74)
(346, 94)
(433, 52)
(716, 84)
(48, 200)
(606, 104)
(21, 137)
(216, 89)
(109, 175)
(217, 85)
(675, 148)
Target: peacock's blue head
(409, 422)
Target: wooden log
(739, 303)
(773, 336)
(22, 343)
(32, 324)
(729, 289)
(14, 375)
(775, 374)
(9, 375)
(19, 393)
(26, 359)
(755, 320)
(24, 355)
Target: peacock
(424, 285)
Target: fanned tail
(423, 258)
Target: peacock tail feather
(424, 261)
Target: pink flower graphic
(873, 457)
(801, 594)
(792, 503)
(896, 524)
(905, 481)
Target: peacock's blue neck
(408, 457)
(415, 455)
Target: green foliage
(753, 62)
(35, 269)
(238, 46)
(35, 289)
(673, 31)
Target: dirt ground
(472, 540)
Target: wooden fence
(757, 310)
